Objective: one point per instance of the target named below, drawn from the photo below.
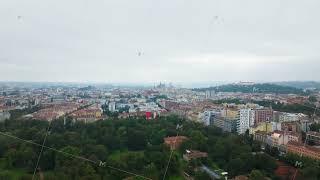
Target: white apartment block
(245, 121)
(205, 117)
(112, 106)
(288, 117)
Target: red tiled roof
(293, 143)
(284, 170)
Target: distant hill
(257, 88)
(300, 84)
(88, 88)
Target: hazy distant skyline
(147, 41)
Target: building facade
(112, 107)
(246, 119)
(288, 117)
(263, 115)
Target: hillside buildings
(313, 137)
(194, 154)
(277, 138)
(51, 111)
(87, 115)
(303, 150)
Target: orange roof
(284, 170)
(297, 144)
(175, 138)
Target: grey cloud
(81, 40)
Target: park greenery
(134, 144)
(315, 127)
(301, 84)
(310, 169)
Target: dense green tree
(137, 140)
(256, 175)
(315, 127)
(152, 171)
(236, 167)
(200, 175)
(311, 173)
(47, 160)
(5, 175)
(273, 151)
(26, 177)
(265, 162)
(256, 146)
(132, 144)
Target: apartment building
(246, 119)
(263, 115)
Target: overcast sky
(165, 40)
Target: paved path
(210, 172)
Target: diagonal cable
(73, 156)
(168, 164)
(42, 147)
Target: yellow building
(266, 127)
(230, 113)
(98, 114)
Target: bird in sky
(139, 53)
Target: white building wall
(112, 106)
(245, 121)
(288, 117)
(205, 117)
(276, 126)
